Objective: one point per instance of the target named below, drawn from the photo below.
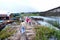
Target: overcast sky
(28, 5)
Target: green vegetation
(54, 23)
(5, 33)
(18, 22)
(15, 15)
(30, 14)
(44, 33)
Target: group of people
(23, 29)
(28, 20)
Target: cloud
(43, 5)
(28, 5)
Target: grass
(44, 33)
(54, 23)
(18, 22)
(5, 33)
(30, 14)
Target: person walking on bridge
(22, 30)
(27, 19)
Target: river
(46, 19)
(56, 18)
(46, 24)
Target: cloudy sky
(28, 5)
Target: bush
(5, 33)
(44, 33)
(54, 23)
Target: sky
(27, 5)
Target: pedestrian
(22, 29)
(29, 21)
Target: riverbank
(30, 30)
